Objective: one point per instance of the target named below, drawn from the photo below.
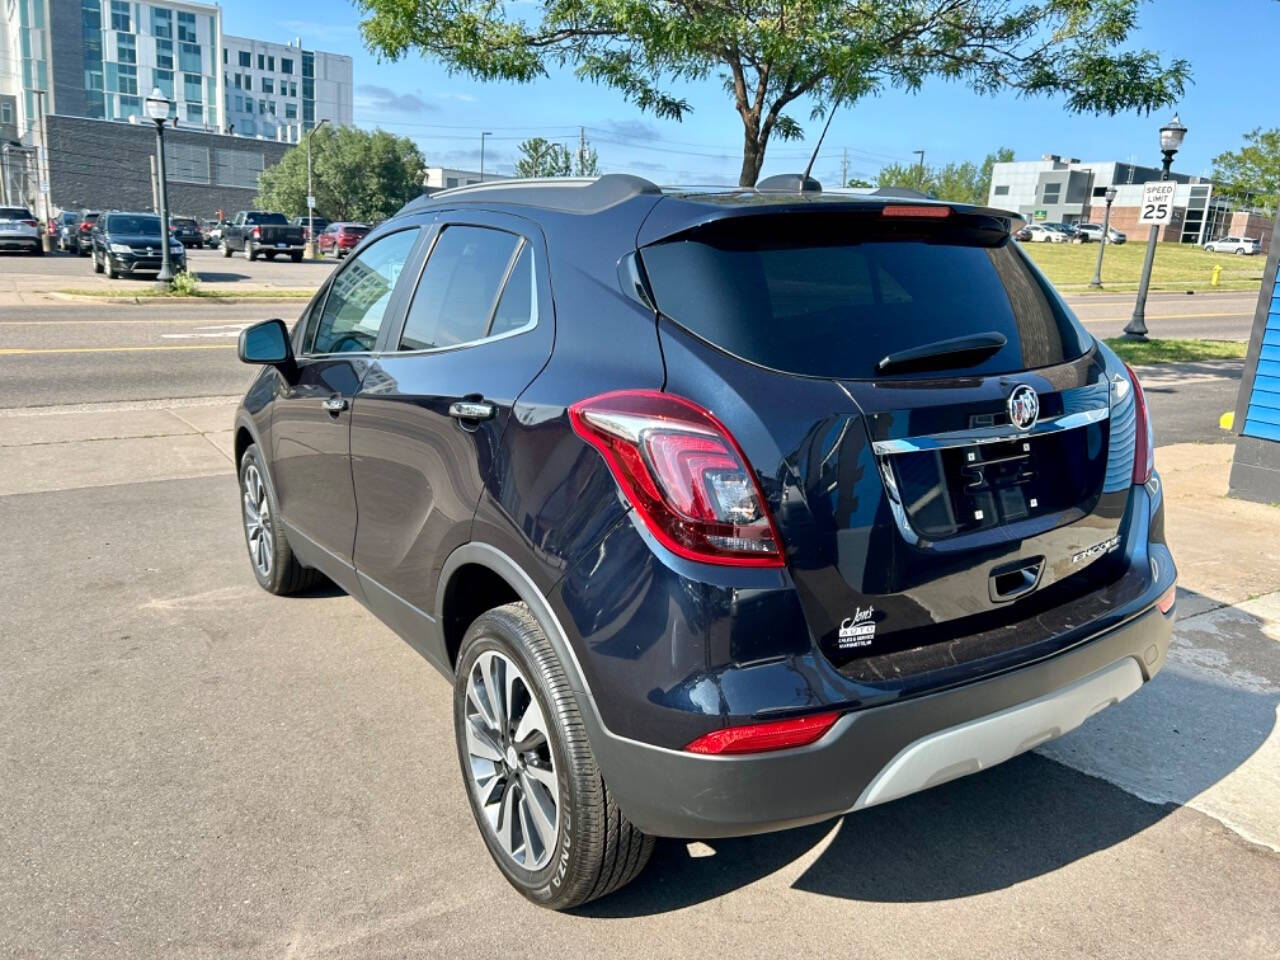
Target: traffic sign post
(1157, 204)
(1156, 211)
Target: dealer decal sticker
(858, 630)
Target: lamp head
(1110, 194)
(157, 106)
(1171, 135)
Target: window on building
(1052, 192)
(248, 81)
(262, 108)
(286, 65)
(239, 102)
(6, 113)
(187, 27)
(192, 88)
(291, 111)
(164, 54)
(120, 19)
(293, 89)
(161, 23)
(450, 181)
(130, 107)
(224, 56)
(189, 58)
(239, 82)
(126, 49)
(262, 62)
(271, 107)
(238, 168)
(1002, 190)
(1099, 191)
(244, 58)
(271, 64)
(122, 78)
(164, 80)
(186, 162)
(195, 113)
(268, 85)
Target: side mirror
(265, 342)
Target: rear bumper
(18, 242)
(878, 754)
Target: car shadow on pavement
(1183, 733)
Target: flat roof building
(280, 91)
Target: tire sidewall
(280, 555)
(554, 882)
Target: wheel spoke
(481, 744)
(537, 806)
(490, 790)
(493, 690)
(506, 821)
(542, 776)
(532, 728)
(480, 702)
(531, 853)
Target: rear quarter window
(831, 295)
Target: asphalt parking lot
(193, 768)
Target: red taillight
(1144, 452)
(763, 737)
(685, 475)
(31, 223)
(86, 226)
(257, 234)
(914, 210)
(1165, 603)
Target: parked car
(127, 242)
(258, 233)
(66, 225)
(1240, 246)
(186, 231)
(1045, 233)
(212, 232)
(1092, 233)
(340, 239)
(713, 537)
(19, 230)
(1069, 231)
(306, 223)
(80, 241)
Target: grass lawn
(1178, 266)
(1176, 351)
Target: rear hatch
(962, 487)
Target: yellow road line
(23, 351)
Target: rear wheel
(547, 817)
(226, 251)
(250, 253)
(296, 257)
(1239, 251)
(274, 566)
(97, 264)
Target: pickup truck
(259, 233)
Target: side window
(458, 292)
(518, 306)
(357, 300)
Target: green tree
(769, 54)
(585, 161)
(357, 175)
(857, 182)
(962, 182)
(542, 158)
(1253, 172)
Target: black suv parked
(124, 243)
(724, 512)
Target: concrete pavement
(194, 768)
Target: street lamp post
(1171, 136)
(486, 133)
(157, 108)
(1110, 197)
(311, 197)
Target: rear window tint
(831, 295)
(15, 213)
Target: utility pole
(42, 175)
(486, 133)
(844, 168)
(582, 149)
(920, 154)
(311, 196)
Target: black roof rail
(789, 183)
(563, 194)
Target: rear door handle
(335, 404)
(472, 409)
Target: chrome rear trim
(997, 434)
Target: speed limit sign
(1157, 203)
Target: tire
(97, 264)
(226, 251)
(595, 849)
(296, 257)
(250, 254)
(271, 559)
(110, 267)
(1239, 251)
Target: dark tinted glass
(459, 287)
(830, 295)
(15, 213)
(357, 301)
(519, 303)
(141, 226)
(263, 219)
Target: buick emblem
(1024, 407)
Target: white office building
(279, 91)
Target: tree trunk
(752, 160)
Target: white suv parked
(1240, 246)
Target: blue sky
(1230, 44)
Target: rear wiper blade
(955, 352)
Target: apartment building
(279, 91)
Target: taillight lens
(915, 210)
(1165, 603)
(685, 475)
(1144, 453)
(31, 223)
(257, 234)
(86, 227)
(763, 737)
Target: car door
(431, 411)
(311, 415)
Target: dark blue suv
(724, 512)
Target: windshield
(265, 219)
(15, 213)
(137, 225)
(831, 295)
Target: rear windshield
(15, 213)
(830, 295)
(180, 222)
(126, 223)
(266, 219)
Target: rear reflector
(1165, 603)
(764, 737)
(914, 210)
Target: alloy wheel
(512, 769)
(257, 521)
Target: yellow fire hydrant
(1214, 275)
